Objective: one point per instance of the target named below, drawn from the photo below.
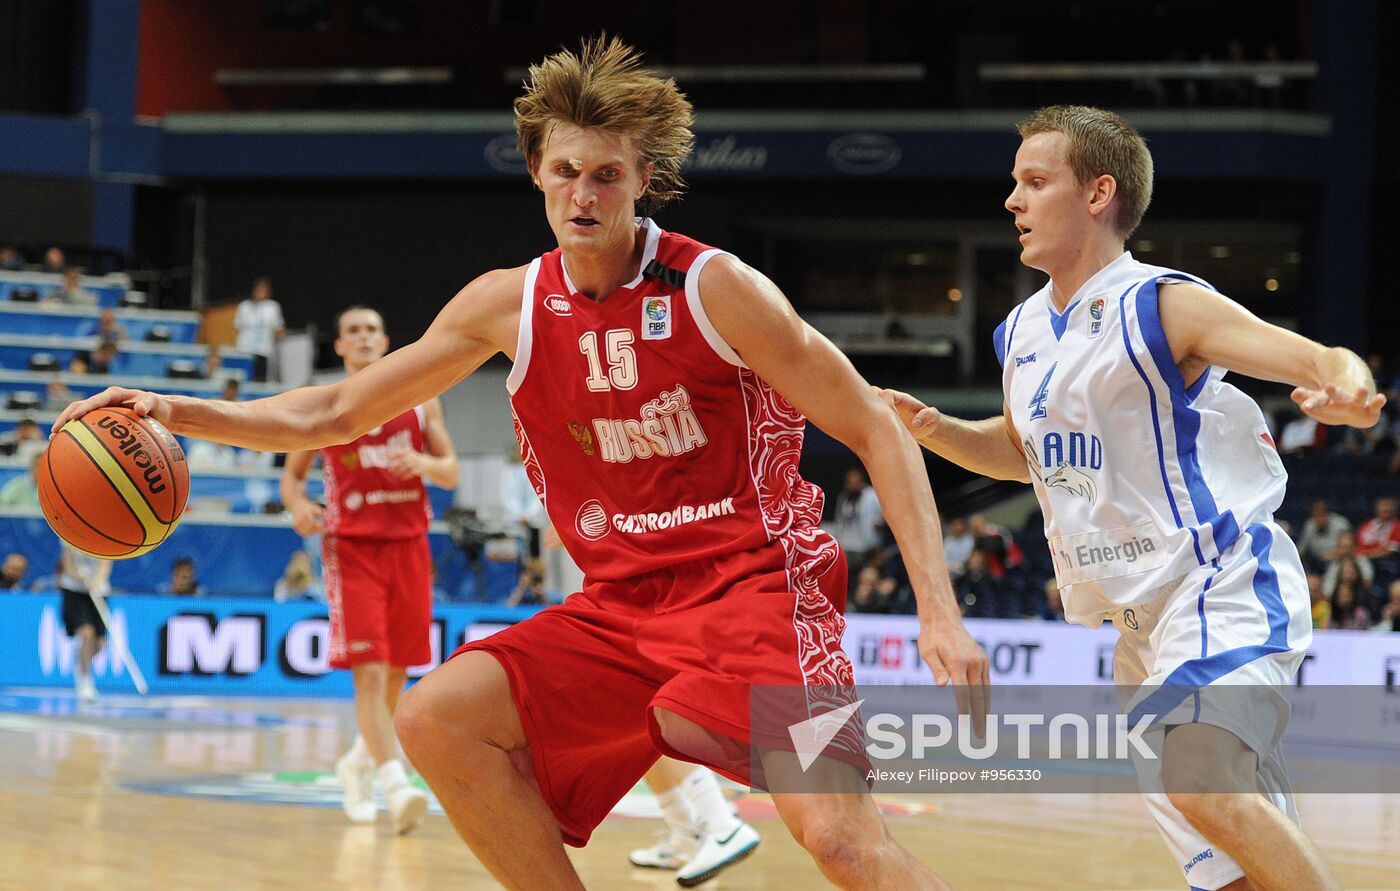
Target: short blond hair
(1100, 142)
(604, 86)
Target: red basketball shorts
(588, 675)
(380, 595)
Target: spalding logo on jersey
(668, 426)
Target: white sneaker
(356, 777)
(407, 807)
(672, 851)
(86, 687)
(718, 853)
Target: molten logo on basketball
(124, 439)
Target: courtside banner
(884, 650)
(210, 646)
(260, 647)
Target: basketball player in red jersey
(378, 571)
(659, 392)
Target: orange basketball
(112, 484)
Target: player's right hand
(919, 419)
(143, 403)
(307, 518)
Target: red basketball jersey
(648, 439)
(365, 500)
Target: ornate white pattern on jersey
(527, 457)
(775, 448)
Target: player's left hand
(407, 464)
(954, 657)
(1330, 405)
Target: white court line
(27, 724)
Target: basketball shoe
(407, 807)
(85, 686)
(674, 850)
(356, 775)
(717, 853)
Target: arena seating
(234, 555)
(133, 357)
(58, 320)
(88, 384)
(109, 289)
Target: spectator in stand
(54, 260)
(998, 548)
(212, 364)
(298, 581)
(1390, 613)
(1379, 537)
(78, 364)
(957, 546)
(13, 571)
(25, 442)
(1321, 606)
(23, 491)
(1348, 611)
(1302, 434)
(1054, 608)
(108, 328)
(230, 389)
(57, 395)
(856, 520)
(1317, 543)
(260, 325)
(182, 579)
(11, 260)
(529, 589)
(873, 593)
(100, 360)
(977, 589)
(72, 292)
(1344, 554)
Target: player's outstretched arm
(986, 446)
(480, 321)
(1204, 328)
(759, 324)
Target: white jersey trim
(526, 336)
(697, 309)
(648, 254)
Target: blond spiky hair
(604, 86)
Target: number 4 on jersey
(1042, 393)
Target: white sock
(359, 749)
(712, 811)
(677, 812)
(391, 774)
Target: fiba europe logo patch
(1096, 308)
(592, 521)
(656, 318)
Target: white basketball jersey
(1142, 476)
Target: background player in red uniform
(378, 571)
(659, 390)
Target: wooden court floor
(207, 793)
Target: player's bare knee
(843, 858)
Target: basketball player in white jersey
(1158, 482)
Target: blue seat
(133, 357)
(232, 557)
(49, 320)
